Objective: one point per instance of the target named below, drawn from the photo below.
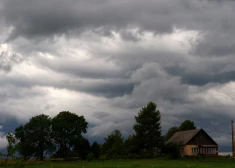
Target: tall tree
(148, 128)
(67, 129)
(187, 125)
(114, 144)
(171, 132)
(37, 135)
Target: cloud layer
(106, 59)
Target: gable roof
(183, 136)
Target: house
(195, 142)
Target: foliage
(171, 132)
(173, 149)
(90, 156)
(148, 129)
(160, 162)
(67, 129)
(114, 145)
(96, 150)
(187, 125)
(132, 146)
(11, 147)
(35, 137)
(82, 147)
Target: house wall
(188, 150)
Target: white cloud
(3, 141)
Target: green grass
(151, 163)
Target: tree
(82, 147)
(67, 129)
(11, 147)
(96, 149)
(132, 146)
(24, 147)
(114, 144)
(171, 132)
(187, 125)
(35, 136)
(148, 129)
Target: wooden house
(195, 142)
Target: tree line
(63, 137)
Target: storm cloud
(105, 59)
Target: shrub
(90, 156)
(173, 149)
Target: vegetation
(148, 129)
(171, 132)
(36, 134)
(67, 129)
(62, 137)
(147, 163)
(187, 125)
(113, 146)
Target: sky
(106, 59)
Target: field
(151, 163)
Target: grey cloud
(8, 60)
(49, 106)
(105, 88)
(34, 18)
(100, 115)
(131, 73)
(216, 45)
(46, 18)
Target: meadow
(220, 162)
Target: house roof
(183, 137)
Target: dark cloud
(109, 58)
(10, 124)
(31, 18)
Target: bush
(173, 149)
(90, 156)
(103, 157)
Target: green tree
(37, 134)
(24, 147)
(96, 150)
(132, 146)
(11, 147)
(148, 129)
(67, 129)
(114, 145)
(187, 125)
(171, 132)
(82, 147)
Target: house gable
(201, 138)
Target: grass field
(220, 162)
(151, 163)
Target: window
(211, 150)
(194, 150)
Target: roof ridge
(190, 130)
